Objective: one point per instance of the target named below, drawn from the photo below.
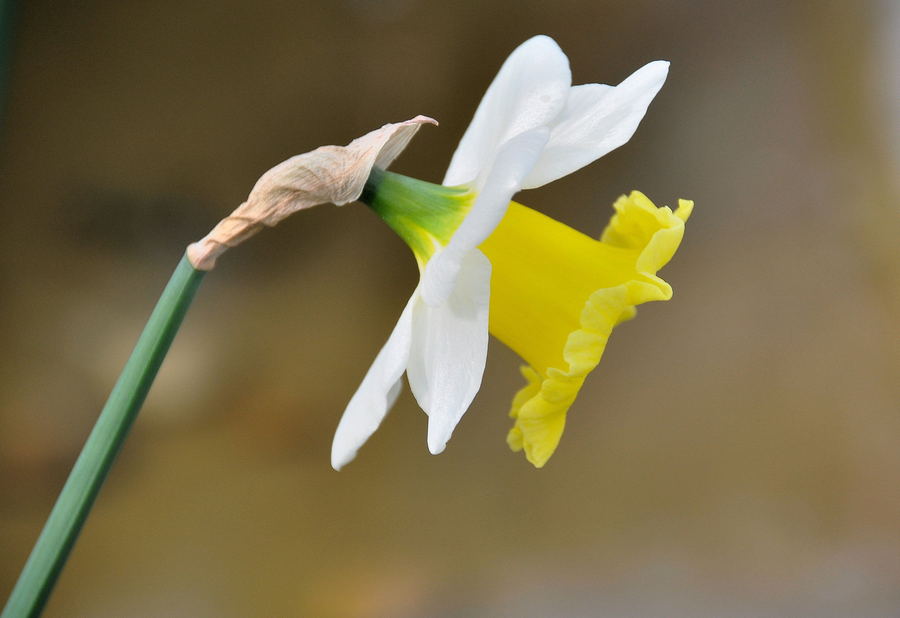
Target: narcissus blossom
(550, 293)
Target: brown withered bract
(329, 174)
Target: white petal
(376, 394)
(449, 348)
(596, 120)
(529, 91)
(513, 163)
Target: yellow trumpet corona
(556, 295)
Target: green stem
(74, 503)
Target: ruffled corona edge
(540, 408)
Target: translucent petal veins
(556, 295)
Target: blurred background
(735, 454)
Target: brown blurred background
(736, 453)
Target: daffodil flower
(547, 291)
(554, 294)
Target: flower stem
(74, 503)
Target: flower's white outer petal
(377, 393)
(529, 91)
(597, 119)
(512, 165)
(449, 348)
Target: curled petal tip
(436, 445)
(337, 462)
(542, 40)
(420, 119)
(658, 69)
(340, 456)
